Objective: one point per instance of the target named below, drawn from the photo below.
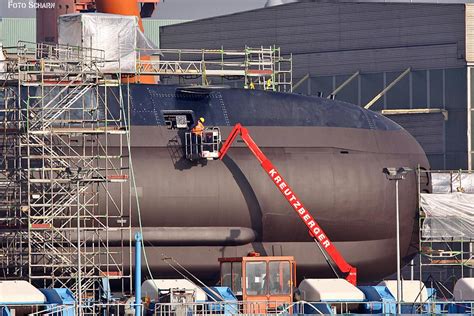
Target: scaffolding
(65, 198)
(12, 218)
(65, 176)
(263, 68)
(445, 258)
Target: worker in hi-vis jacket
(197, 131)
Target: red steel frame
(314, 229)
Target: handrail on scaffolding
(265, 67)
(58, 52)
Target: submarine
(332, 153)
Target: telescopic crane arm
(315, 230)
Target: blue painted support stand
(138, 274)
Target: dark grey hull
(197, 213)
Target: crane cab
(264, 283)
(205, 146)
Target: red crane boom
(314, 229)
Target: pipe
(138, 274)
(180, 236)
(122, 7)
(399, 282)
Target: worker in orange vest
(199, 127)
(197, 131)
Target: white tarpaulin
(452, 182)
(448, 215)
(118, 36)
(3, 63)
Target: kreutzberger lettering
(298, 206)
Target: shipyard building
(419, 53)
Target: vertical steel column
(138, 274)
(78, 244)
(399, 284)
(397, 174)
(469, 118)
(471, 251)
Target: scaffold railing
(58, 58)
(261, 68)
(68, 159)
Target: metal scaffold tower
(268, 69)
(69, 164)
(260, 68)
(12, 217)
(446, 236)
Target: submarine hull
(199, 212)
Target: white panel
(20, 292)
(464, 289)
(3, 64)
(327, 290)
(413, 291)
(469, 32)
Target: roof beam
(296, 85)
(345, 83)
(387, 88)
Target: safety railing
(39, 309)
(113, 308)
(262, 67)
(223, 307)
(105, 309)
(48, 59)
(248, 308)
(203, 146)
(56, 310)
(35, 51)
(310, 308)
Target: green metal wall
(14, 29)
(152, 28)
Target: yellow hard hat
(201, 119)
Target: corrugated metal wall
(470, 32)
(331, 41)
(344, 36)
(14, 29)
(429, 88)
(152, 28)
(470, 101)
(428, 130)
